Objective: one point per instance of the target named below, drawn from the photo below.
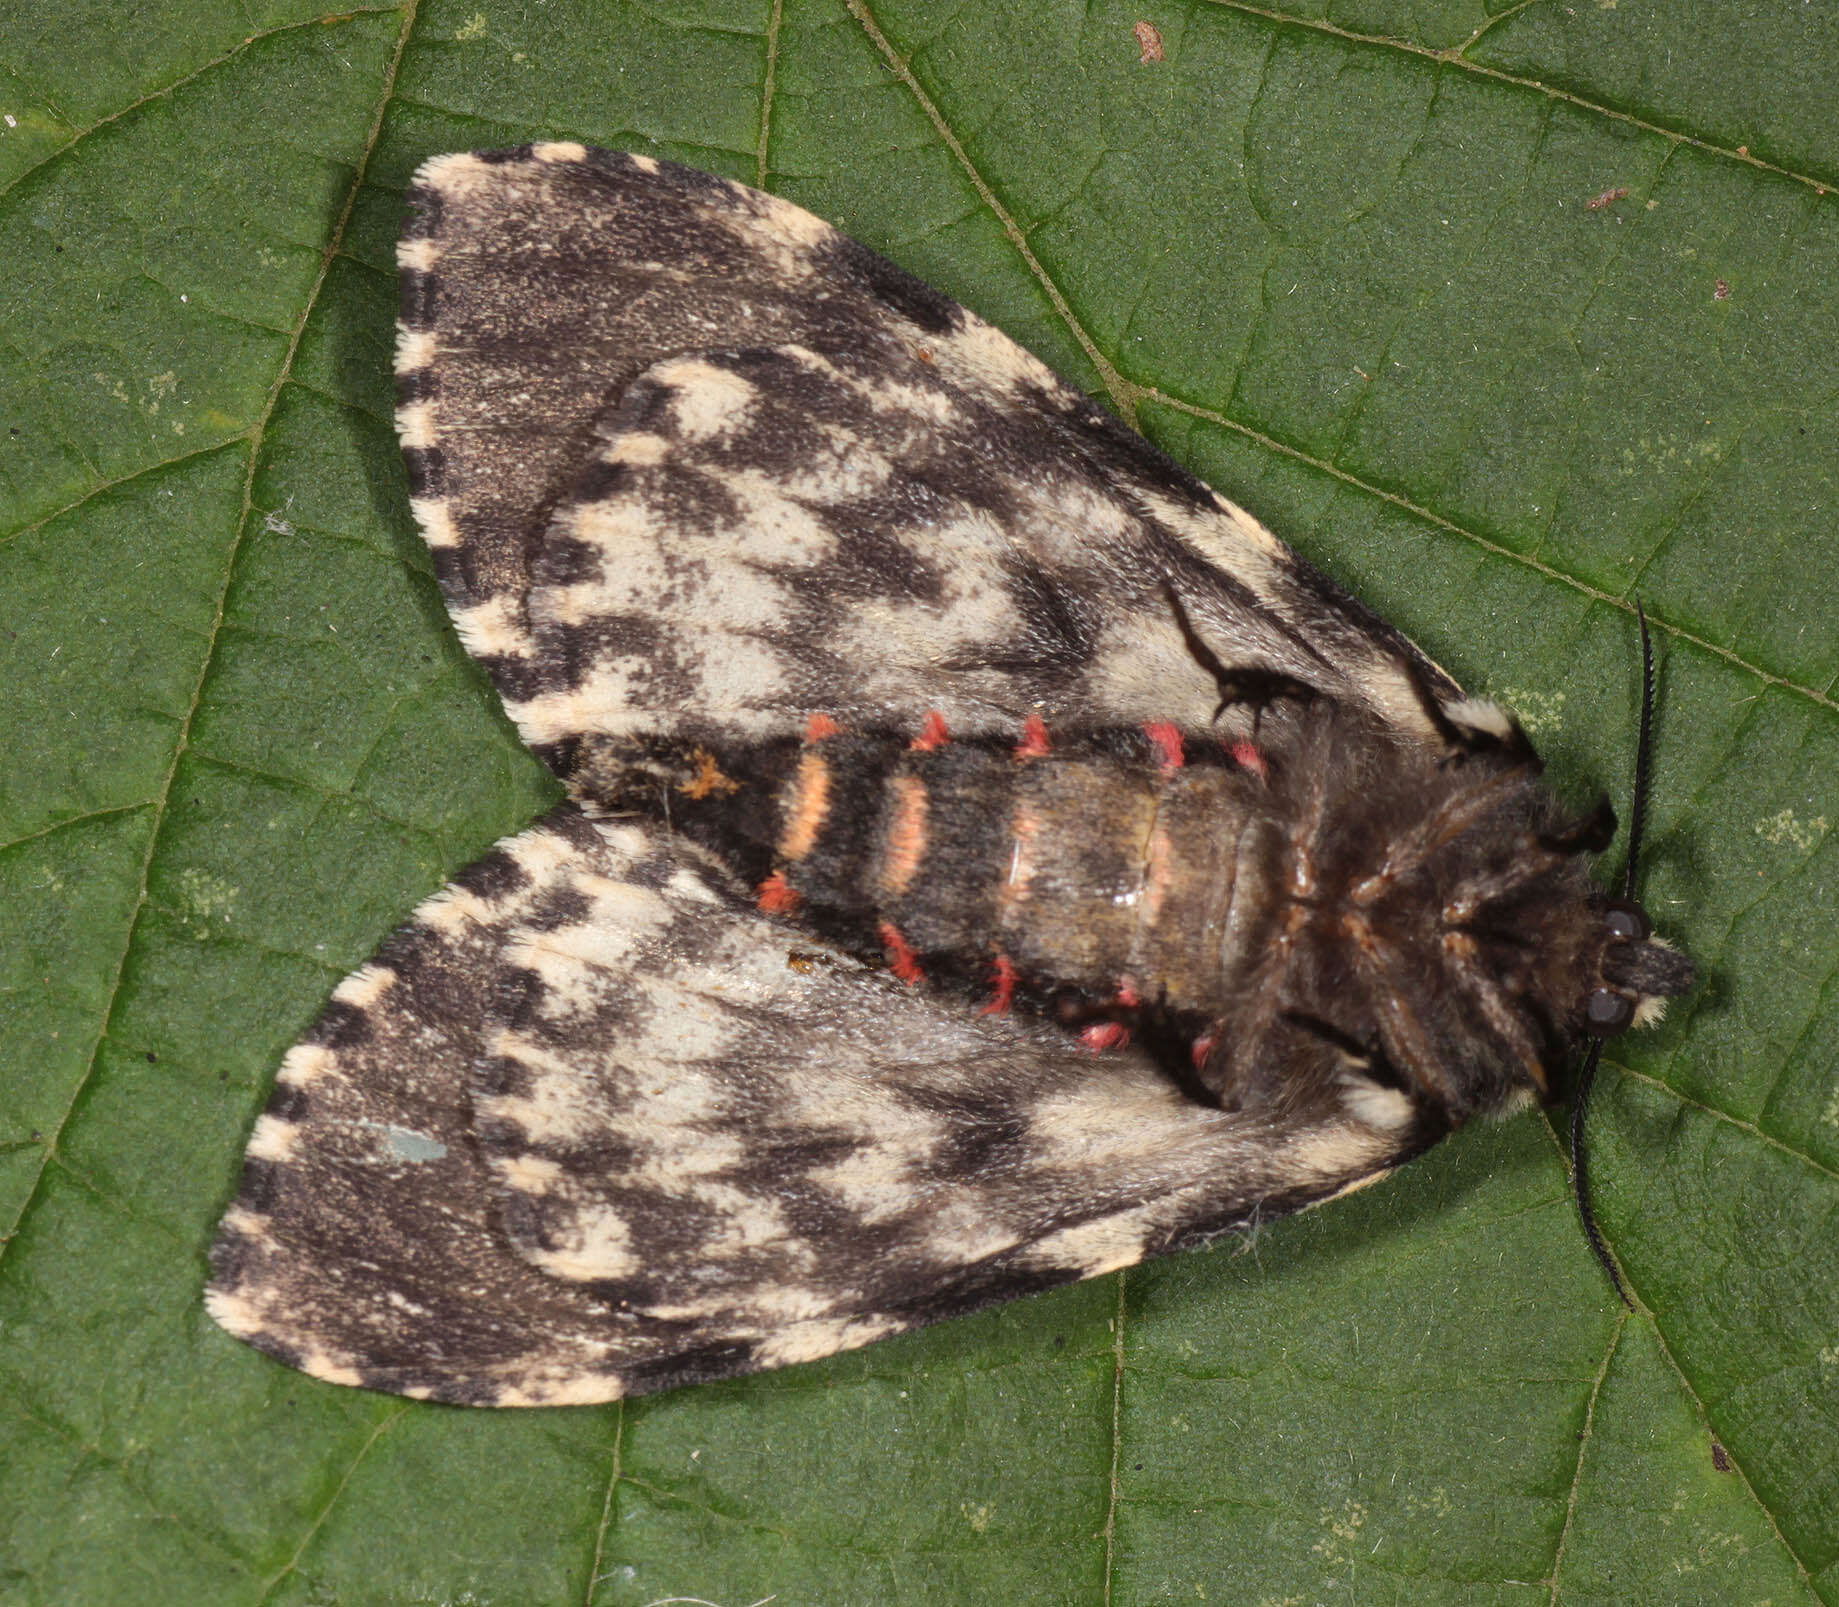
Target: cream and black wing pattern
(992, 857)
(590, 1125)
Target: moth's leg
(1259, 687)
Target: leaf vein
(123, 1470)
(75, 820)
(1734, 1121)
(1117, 1437)
(767, 88)
(1583, 1449)
(208, 657)
(395, 1413)
(1494, 548)
(1736, 1466)
(127, 110)
(1123, 394)
(608, 1501)
(1453, 57)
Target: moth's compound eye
(1607, 1013)
(1626, 920)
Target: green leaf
(1502, 320)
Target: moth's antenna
(1637, 814)
(1580, 1172)
(1586, 1073)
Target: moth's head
(1546, 959)
(1637, 974)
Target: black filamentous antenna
(1580, 1172)
(1637, 815)
(1586, 1073)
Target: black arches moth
(992, 857)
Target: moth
(991, 856)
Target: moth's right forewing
(363, 1246)
(591, 1125)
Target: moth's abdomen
(1329, 909)
(1108, 865)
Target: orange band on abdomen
(905, 848)
(809, 808)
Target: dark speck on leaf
(1720, 1458)
(152, 1058)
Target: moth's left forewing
(536, 285)
(769, 532)
(1341, 647)
(909, 513)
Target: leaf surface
(1503, 320)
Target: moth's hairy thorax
(1276, 918)
(1440, 932)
